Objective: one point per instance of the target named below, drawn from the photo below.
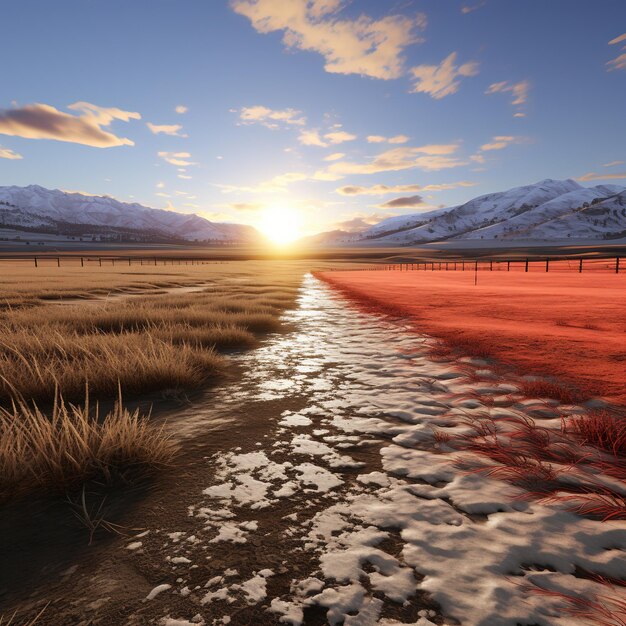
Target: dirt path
(314, 491)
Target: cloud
(42, 121)
(277, 184)
(181, 108)
(469, 8)
(442, 80)
(271, 118)
(7, 153)
(613, 163)
(519, 92)
(358, 223)
(181, 159)
(430, 157)
(246, 206)
(408, 202)
(311, 138)
(593, 176)
(617, 40)
(340, 136)
(366, 46)
(166, 129)
(160, 185)
(380, 139)
(382, 190)
(618, 63)
(335, 156)
(184, 176)
(500, 142)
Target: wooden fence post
(526, 268)
(100, 261)
(547, 264)
(36, 262)
(580, 267)
(58, 261)
(617, 265)
(82, 264)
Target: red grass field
(567, 325)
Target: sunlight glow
(281, 225)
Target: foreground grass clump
(603, 429)
(33, 365)
(62, 450)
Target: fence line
(553, 264)
(103, 261)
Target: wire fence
(615, 265)
(100, 261)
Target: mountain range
(548, 210)
(38, 208)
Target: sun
(281, 225)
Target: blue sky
(341, 113)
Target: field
(568, 326)
(69, 338)
(180, 444)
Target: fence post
(58, 261)
(36, 262)
(100, 261)
(547, 264)
(526, 268)
(82, 264)
(508, 266)
(617, 265)
(129, 261)
(580, 267)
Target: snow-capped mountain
(547, 210)
(38, 207)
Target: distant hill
(38, 208)
(545, 211)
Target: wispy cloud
(335, 156)
(366, 46)
(613, 163)
(442, 80)
(499, 142)
(519, 92)
(340, 136)
(381, 139)
(358, 222)
(430, 157)
(382, 190)
(246, 206)
(7, 153)
(619, 62)
(271, 118)
(312, 137)
(407, 202)
(469, 8)
(594, 176)
(166, 129)
(181, 109)
(42, 121)
(181, 159)
(277, 184)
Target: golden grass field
(132, 332)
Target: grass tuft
(72, 445)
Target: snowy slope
(549, 209)
(38, 206)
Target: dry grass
(62, 449)
(603, 429)
(151, 339)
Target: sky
(323, 114)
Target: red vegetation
(602, 429)
(570, 327)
